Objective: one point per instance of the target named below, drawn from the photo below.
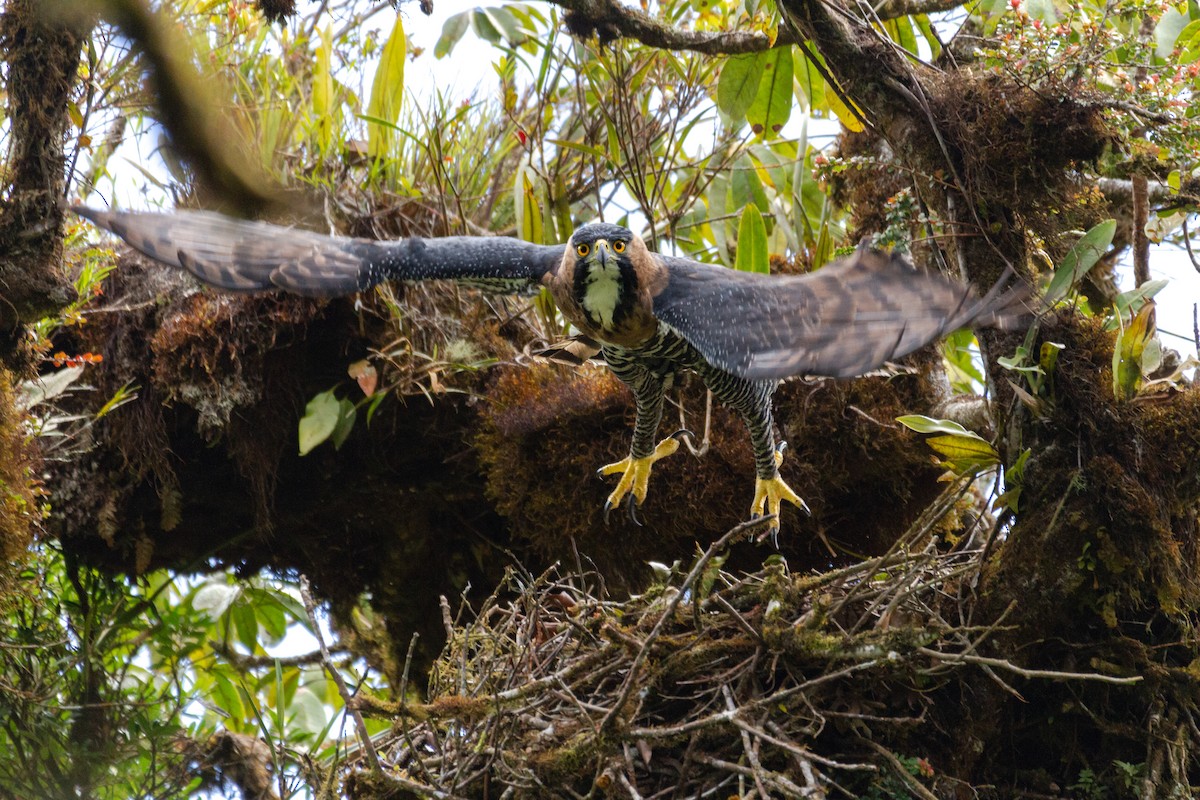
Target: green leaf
(484, 27)
(1127, 303)
(718, 207)
(773, 102)
(1133, 353)
(246, 626)
(738, 84)
(964, 454)
(746, 186)
(227, 697)
(529, 213)
(452, 31)
(347, 414)
(387, 90)
(931, 38)
(848, 115)
(923, 424)
(502, 20)
(900, 31)
(582, 148)
(1082, 257)
(321, 417)
(752, 242)
(812, 83)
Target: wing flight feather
(243, 256)
(845, 319)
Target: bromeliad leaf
(387, 90)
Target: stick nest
(771, 684)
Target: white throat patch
(603, 292)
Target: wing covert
(845, 319)
(244, 256)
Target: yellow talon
(769, 494)
(635, 477)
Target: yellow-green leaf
(322, 92)
(528, 211)
(964, 454)
(1132, 345)
(845, 113)
(387, 91)
(752, 242)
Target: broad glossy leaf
(773, 102)
(1082, 257)
(452, 31)
(738, 84)
(345, 423)
(1131, 302)
(320, 419)
(923, 424)
(965, 454)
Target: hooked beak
(603, 251)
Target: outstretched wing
(242, 256)
(843, 320)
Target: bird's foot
(635, 476)
(769, 494)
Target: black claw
(633, 511)
(779, 448)
(608, 507)
(679, 434)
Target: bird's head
(600, 244)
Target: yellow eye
(583, 249)
(619, 246)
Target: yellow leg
(769, 494)
(635, 477)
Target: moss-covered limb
(42, 56)
(21, 494)
(868, 69)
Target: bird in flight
(654, 316)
